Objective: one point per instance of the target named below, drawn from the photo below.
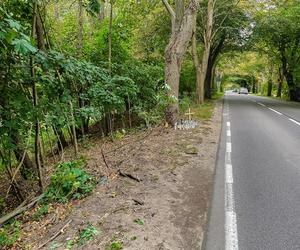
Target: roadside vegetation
(76, 72)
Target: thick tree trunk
(270, 86)
(280, 83)
(208, 79)
(196, 59)
(174, 54)
(40, 32)
(207, 49)
(294, 90)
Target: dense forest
(73, 68)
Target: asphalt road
(256, 200)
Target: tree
(183, 22)
(220, 27)
(277, 32)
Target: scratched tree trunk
(175, 51)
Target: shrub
(87, 234)
(43, 210)
(9, 234)
(69, 181)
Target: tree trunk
(209, 78)
(294, 91)
(207, 49)
(40, 32)
(74, 129)
(110, 38)
(62, 142)
(196, 59)
(174, 54)
(280, 83)
(270, 85)
(27, 163)
(37, 142)
(80, 27)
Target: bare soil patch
(159, 200)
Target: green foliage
(9, 233)
(139, 221)
(69, 181)
(12, 35)
(116, 246)
(184, 104)
(87, 234)
(42, 211)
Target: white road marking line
(292, 120)
(229, 178)
(261, 104)
(231, 239)
(275, 111)
(228, 147)
(228, 133)
(231, 234)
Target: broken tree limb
(20, 209)
(104, 159)
(130, 176)
(138, 202)
(55, 235)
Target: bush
(9, 234)
(43, 210)
(69, 181)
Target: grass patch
(201, 111)
(116, 246)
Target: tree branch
(169, 9)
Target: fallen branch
(130, 176)
(138, 202)
(103, 157)
(55, 235)
(20, 210)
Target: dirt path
(166, 209)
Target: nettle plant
(69, 181)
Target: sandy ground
(170, 198)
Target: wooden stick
(20, 210)
(103, 156)
(130, 176)
(55, 235)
